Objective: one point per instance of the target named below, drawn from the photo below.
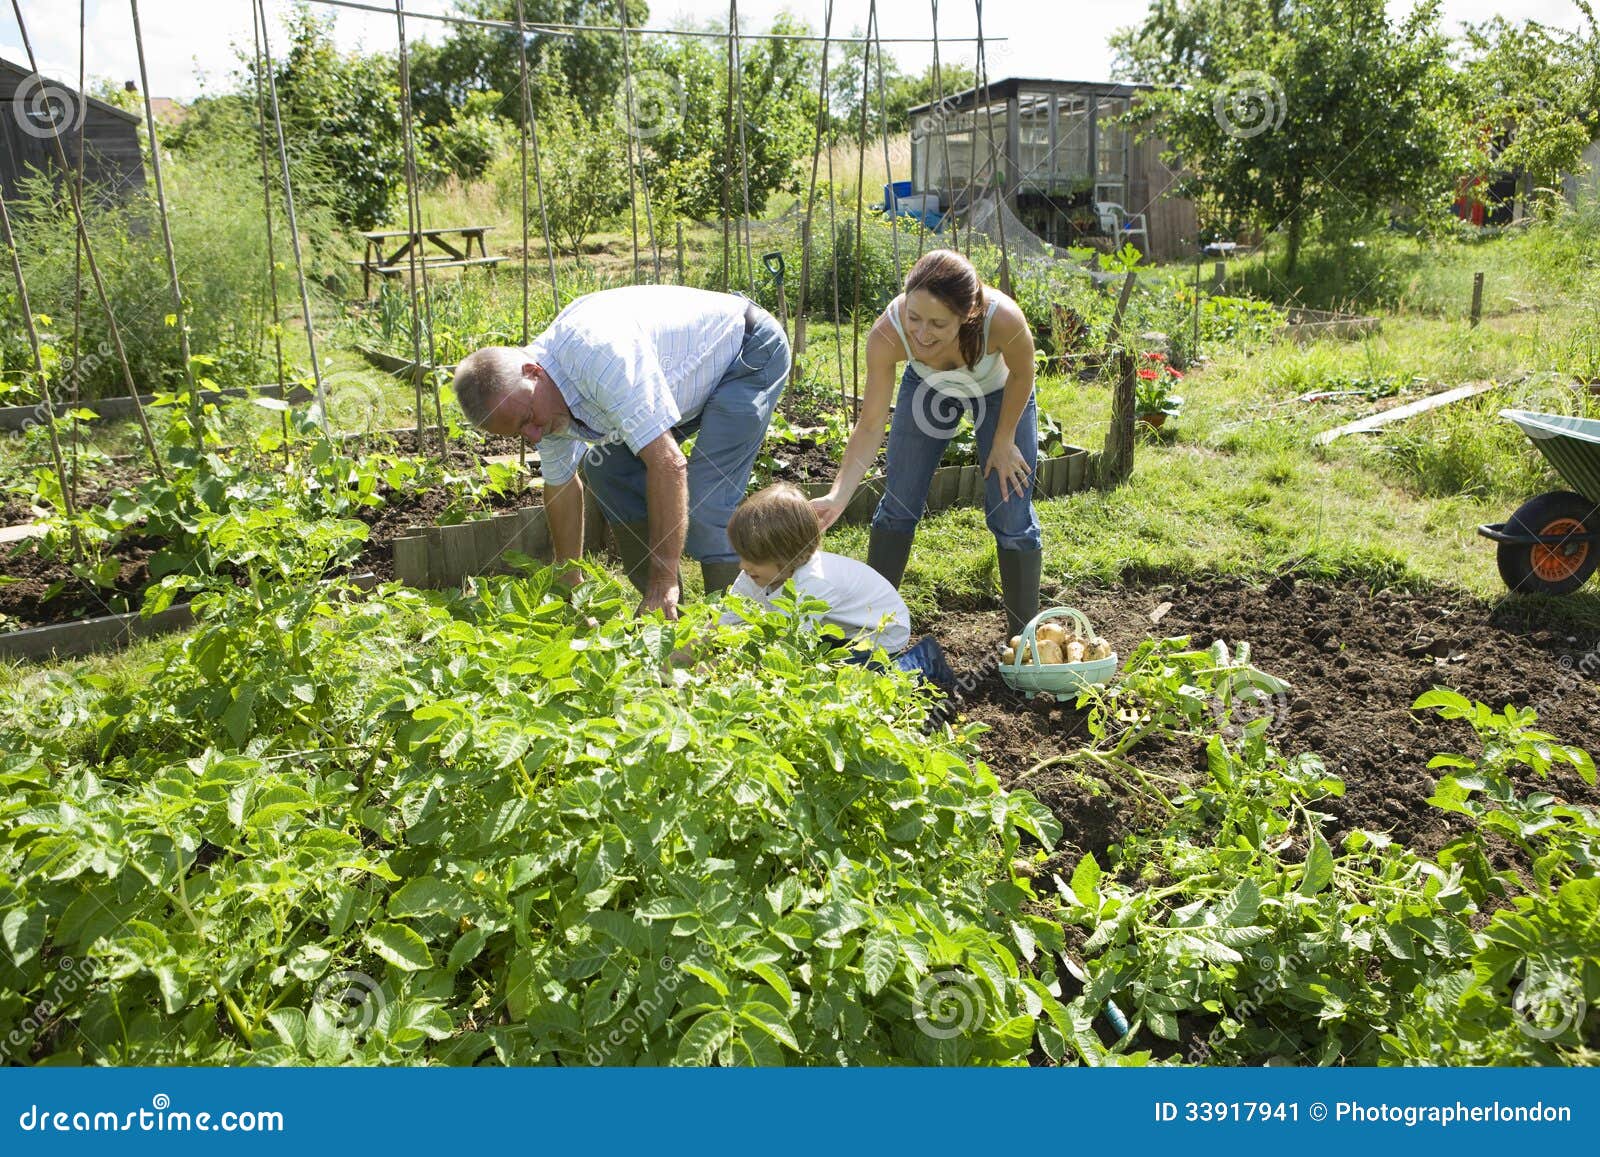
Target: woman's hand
(1012, 466)
(829, 507)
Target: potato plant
(418, 829)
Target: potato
(1009, 655)
(1049, 652)
(1016, 641)
(1099, 648)
(1074, 651)
(1051, 633)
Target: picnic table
(454, 251)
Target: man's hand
(663, 598)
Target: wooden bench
(452, 254)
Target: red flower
(1148, 375)
(1155, 355)
(1175, 373)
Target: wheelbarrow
(1551, 545)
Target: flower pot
(1155, 421)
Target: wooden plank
(18, 533)
(1400, 413)
(1078, 471)
(411, 561)
(392, 270)
(22, 417)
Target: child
(776, 534)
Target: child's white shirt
(860, 600)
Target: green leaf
(427, 896)
(667, 908)
(705, 1036)
(776, 979)
(710, 974)
(1086, 882)
(1448, 703)
(770, 1021)
(465, 950)
(399, 946)
(880, 956)
(1318, 873)
(23, 929)
(1242, 904)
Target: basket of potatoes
(1057, 658)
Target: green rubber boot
(718, 576)
(887, 553)
(1019, 587)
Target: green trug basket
(1059, 679)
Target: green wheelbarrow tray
(1551, 545)
(1570, 445)
(1063, 680)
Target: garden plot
(1355, 661)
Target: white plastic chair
(1115, 221)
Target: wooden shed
(112, 162)
(1059, 153)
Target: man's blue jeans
(729, 432)
(923, 424)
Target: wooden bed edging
(442, 556)
(22, 417)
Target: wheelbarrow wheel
(1555, 568)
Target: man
(608, 392)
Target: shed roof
(24, 72)
(1012, 85)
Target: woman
(968, 351)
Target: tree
(1286, 113)
(341, 117)
(681, 111)
(1533, 93)
(907, 92)
(472, 59)
(585, 171)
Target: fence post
(1477, 299)
(1116, 461)
(1114, 334)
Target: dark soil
(46, 591)
(42, 590)
(387, 523)
(98, 483)
(1356, 661)
(102, 480)
(804, 461)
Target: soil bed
(29, 601)
(1356, 661)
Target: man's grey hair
(485, 377)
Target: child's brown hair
(776, 525)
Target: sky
(188, 42)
